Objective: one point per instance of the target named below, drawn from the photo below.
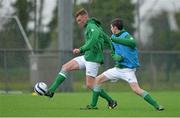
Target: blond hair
(81, 12)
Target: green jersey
(95, 38)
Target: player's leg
(147, 97)
(91, 83)
(98, 91)
(97, 87)
(63, 74)
(91, 73)
(130, 77)
(73, 64)
(90, 80)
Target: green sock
(149, 99)
(104, 95)
(94, 98)
(59, 79)
(96, 92)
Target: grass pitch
(68, 105)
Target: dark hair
(81, 12)
(118, 23)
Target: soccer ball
(40, 88)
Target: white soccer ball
(40, 88)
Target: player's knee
(137, 90)
(71, 65)
(89, 86)
(100, 79)
(97, 81)
(64, 67)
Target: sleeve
(92, 36)
(128, 41)
(108, 43)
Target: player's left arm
(108, 43)
(128, 41)
(93, 35)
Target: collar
(122, 31)
(86, 23)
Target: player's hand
(76, 51)
(117, 57)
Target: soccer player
(125, 46)
(95, 39)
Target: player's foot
(49, 94)
(89, 107)
(112, 104)
(160, 108)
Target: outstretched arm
(128, 41)
(108, 43)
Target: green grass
(68, 104)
